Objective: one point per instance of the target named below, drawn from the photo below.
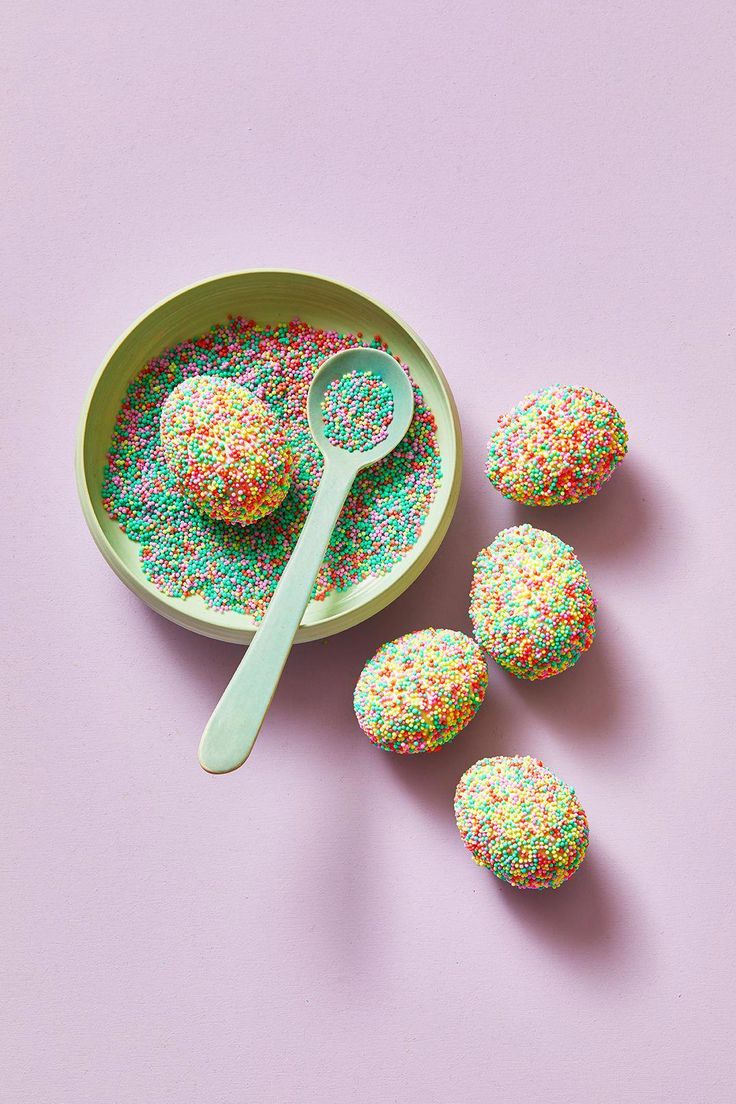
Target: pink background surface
(544, 191)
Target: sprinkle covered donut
(558, 446)
(521, 821)
(531, 604)
(225, 449)
(419, 691)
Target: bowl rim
(336, 622)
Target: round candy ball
(558, 446)
(531, 604)
(225, 449)
(520, 821)
(419, 691)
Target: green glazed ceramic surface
(266, 295)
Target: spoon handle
(232, 729)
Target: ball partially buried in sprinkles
(521, 822)
(419, 691)
(558, 446)
(531, 604)
(357, 408)
(225, 449)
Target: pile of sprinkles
(531, 604)
(357, 408)
(521, 821)
(234, 567)
(558, 446)
(419, 691)
(226, 449)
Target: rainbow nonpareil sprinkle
(235, 567)
(522, 822)
(226, 449)
(419, 691)
(531, 604)
(558, 446)
(357, 408)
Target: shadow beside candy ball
(626, 519)
(589, 919)
(585, 700)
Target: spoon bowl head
(367, 362)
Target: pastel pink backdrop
(545, 191)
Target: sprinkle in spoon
(233, 727)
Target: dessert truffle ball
(521, 822)
(225, 449)
(558, 446)
(531, 604)
(419, 691)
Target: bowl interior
(265, 296)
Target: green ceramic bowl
(267, 295)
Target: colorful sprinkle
(235, 567)
(225, 449)
(521, 821)
(419, 691)
(357, 408)
(531, 604)
(558, 446)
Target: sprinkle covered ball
(531, 604)
(357, 408)
(558, 446)
(419, 691)
(225, 449)
(521, 822)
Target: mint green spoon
(232, 729)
